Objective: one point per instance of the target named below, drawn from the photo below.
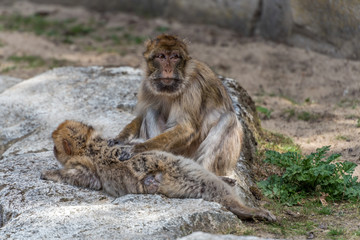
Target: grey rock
(234, 14)
(7, 82)
(208, 236)
(31, 208)
(276, 20)
(331, 27)
(128, 217)
(34, 108)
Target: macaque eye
(161, 56)
(175, 56)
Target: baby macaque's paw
(113, 142)
(125, 154)
(229, 181)
(53, 175)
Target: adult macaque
(183, 108)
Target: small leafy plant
(306, 116)
(336, 232)
(310, 176)
(265, 111)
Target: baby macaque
(89, 162)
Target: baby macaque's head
(70, 139)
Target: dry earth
(313, 98)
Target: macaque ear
(147, 48)
(67, 147)
(147, 43)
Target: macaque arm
(130, 131)
(78, 174)
(176, 137)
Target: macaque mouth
(168, 81)
(167, 84)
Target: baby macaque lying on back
(89, 162)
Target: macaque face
(166, 58)
(169, 76)
(70, 139)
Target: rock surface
(332, 27)
(128, 217)
(207, 236)
(104, 98)
(235, 14)
(6, 82)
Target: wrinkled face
(166, 58)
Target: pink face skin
(167, 62)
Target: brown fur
(89, 162)
(183, 108)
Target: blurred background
(106, 27)
(298, 59)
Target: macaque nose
(167, 73)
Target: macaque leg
(245, 213)
(183, 178)
(221, 149)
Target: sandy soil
(313, 98)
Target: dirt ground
(310, 97)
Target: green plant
(162, 29)
(289, 113)
(32, 61)
(308, 101)
(248, 232)
(308, 176)
(325, 211)
(290, 99)
(78, 30)
(301, 228)
(8, 69)
(343, 138)
(40, 25)
(133, 39)
(358, 123)
(348, 103)
(336, 232)
(264, 111)
(115, 39)
(306, 116)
